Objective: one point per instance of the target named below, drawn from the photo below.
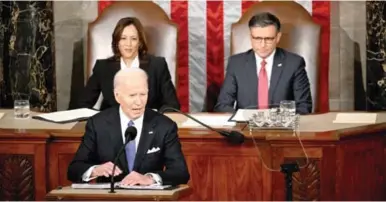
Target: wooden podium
(70, 194)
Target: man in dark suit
(265, 75)
(154, 156)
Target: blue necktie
(130, 151)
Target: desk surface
(67, 193)
(315, 127)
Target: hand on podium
(106, 170)
(135, 178)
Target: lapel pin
(150, 132)
(279, 65)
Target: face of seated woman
(129, 43)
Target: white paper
(243, 115)
(355, 118)
(91, 186)
(117, 185)
(154, 187)
(63, 116)
(211, 120)
(1, 115)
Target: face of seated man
(131, 92)
(264, 39)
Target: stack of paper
(67, 116)
(152, 187)
(211, 120)
(118, 185)
(243, 115)
(92, 186)
(368, 118)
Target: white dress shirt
(138, 123)
(134, 64)
(268, 65)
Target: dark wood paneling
(343, 165)
(328, 174)
(201, 177)
(23, 170)
(219, 171)
(17, 177)
(360, 169)
(60, 155)
(233, 174)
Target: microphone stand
(288, 169)
(112, 185)
(130, 134)
(233, 137)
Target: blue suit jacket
(289, 81)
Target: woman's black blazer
(161, 89)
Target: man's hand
(135, 178)
(106, 170)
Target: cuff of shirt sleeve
(156, 178)
(87, 174)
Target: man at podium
(153, 156)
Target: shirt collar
(125, 120)
(268, 60)
(134, 64)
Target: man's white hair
(126, 73)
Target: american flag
(204, 45)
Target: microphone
(130, 134)
(233, 137)
(288, 169)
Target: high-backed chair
(299, 35)
(161, 33)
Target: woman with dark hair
(130, 51)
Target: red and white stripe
(204, 44)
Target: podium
(70, 194)
(347, 162)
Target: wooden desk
(344, 164)
(69, 194)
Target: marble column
(376, 58)
(2, 32)
(27, 62)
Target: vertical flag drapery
(204, 45)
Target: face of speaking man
(131, 93)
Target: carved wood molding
(16, 177)
(306, 183)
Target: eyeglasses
(267, 40)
